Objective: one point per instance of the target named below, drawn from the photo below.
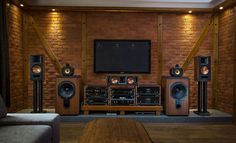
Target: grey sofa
(28, 128)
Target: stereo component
(67, 89)
(176, 71)
(202, 68)
(176, 95)
(149, 95)
(95, 95)
(67, 70)
(36, 74)
(36, 67)
(122, 80)
(122, 96)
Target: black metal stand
(38, 100)
(202, 99)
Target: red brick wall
(226, 60)
(16, 60)
(180, 31)
(63, 31)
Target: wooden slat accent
(215, 60)
(159, 49)
(115, 130)
(234, 94)
(84, 49)
(197, 44)
(46, 45)
(26, 57)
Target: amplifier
(122, 96)
(95, 95)
(149, 95)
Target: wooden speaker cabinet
(175, 95)
(67, 99)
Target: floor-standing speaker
(175, 95)
(67, 99)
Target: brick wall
(63, 32)
(180, 31)
(16, 59)
(226, 60)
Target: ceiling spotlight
(53, 9)
(221, 8)
(21, 5)
(190, 11)
(8, 4)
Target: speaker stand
(202, 99)
(38, 100)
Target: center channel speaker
(67, 89)
(176, 95)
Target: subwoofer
(202, 68)
(36, 67)
(176, 94)
(67, 89)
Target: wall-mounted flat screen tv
(122, 56)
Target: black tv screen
(122, 56)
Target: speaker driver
(114, 80)
(204, 70)
(67, 70)
(178, 92)
(130, 80)
(176, 71)
(36, 69)
(66, 89)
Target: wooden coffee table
(115, 130)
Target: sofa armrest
(50, 119)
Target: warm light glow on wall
(221, 8)
(55, 25)
(190, 11)
(21, 5)
(188, 24)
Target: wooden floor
(167, 133)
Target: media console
(122, 98)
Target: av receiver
(122, 96)
(95, 95)
(149, 95)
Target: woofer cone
(204, 70)
(66, 89)
(178, 90)
(36, 69)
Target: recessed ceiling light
(53, 9)
(21, 5)
(8, 4)
(190, 11)
(221, 7)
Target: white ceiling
(128, 3)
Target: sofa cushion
(25, 134)
(3, 109)
(50, 119)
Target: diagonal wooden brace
(46, 45)
(197, 44)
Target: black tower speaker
(202, 74)
(36, 67)
(202, 68)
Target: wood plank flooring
(167, 133)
